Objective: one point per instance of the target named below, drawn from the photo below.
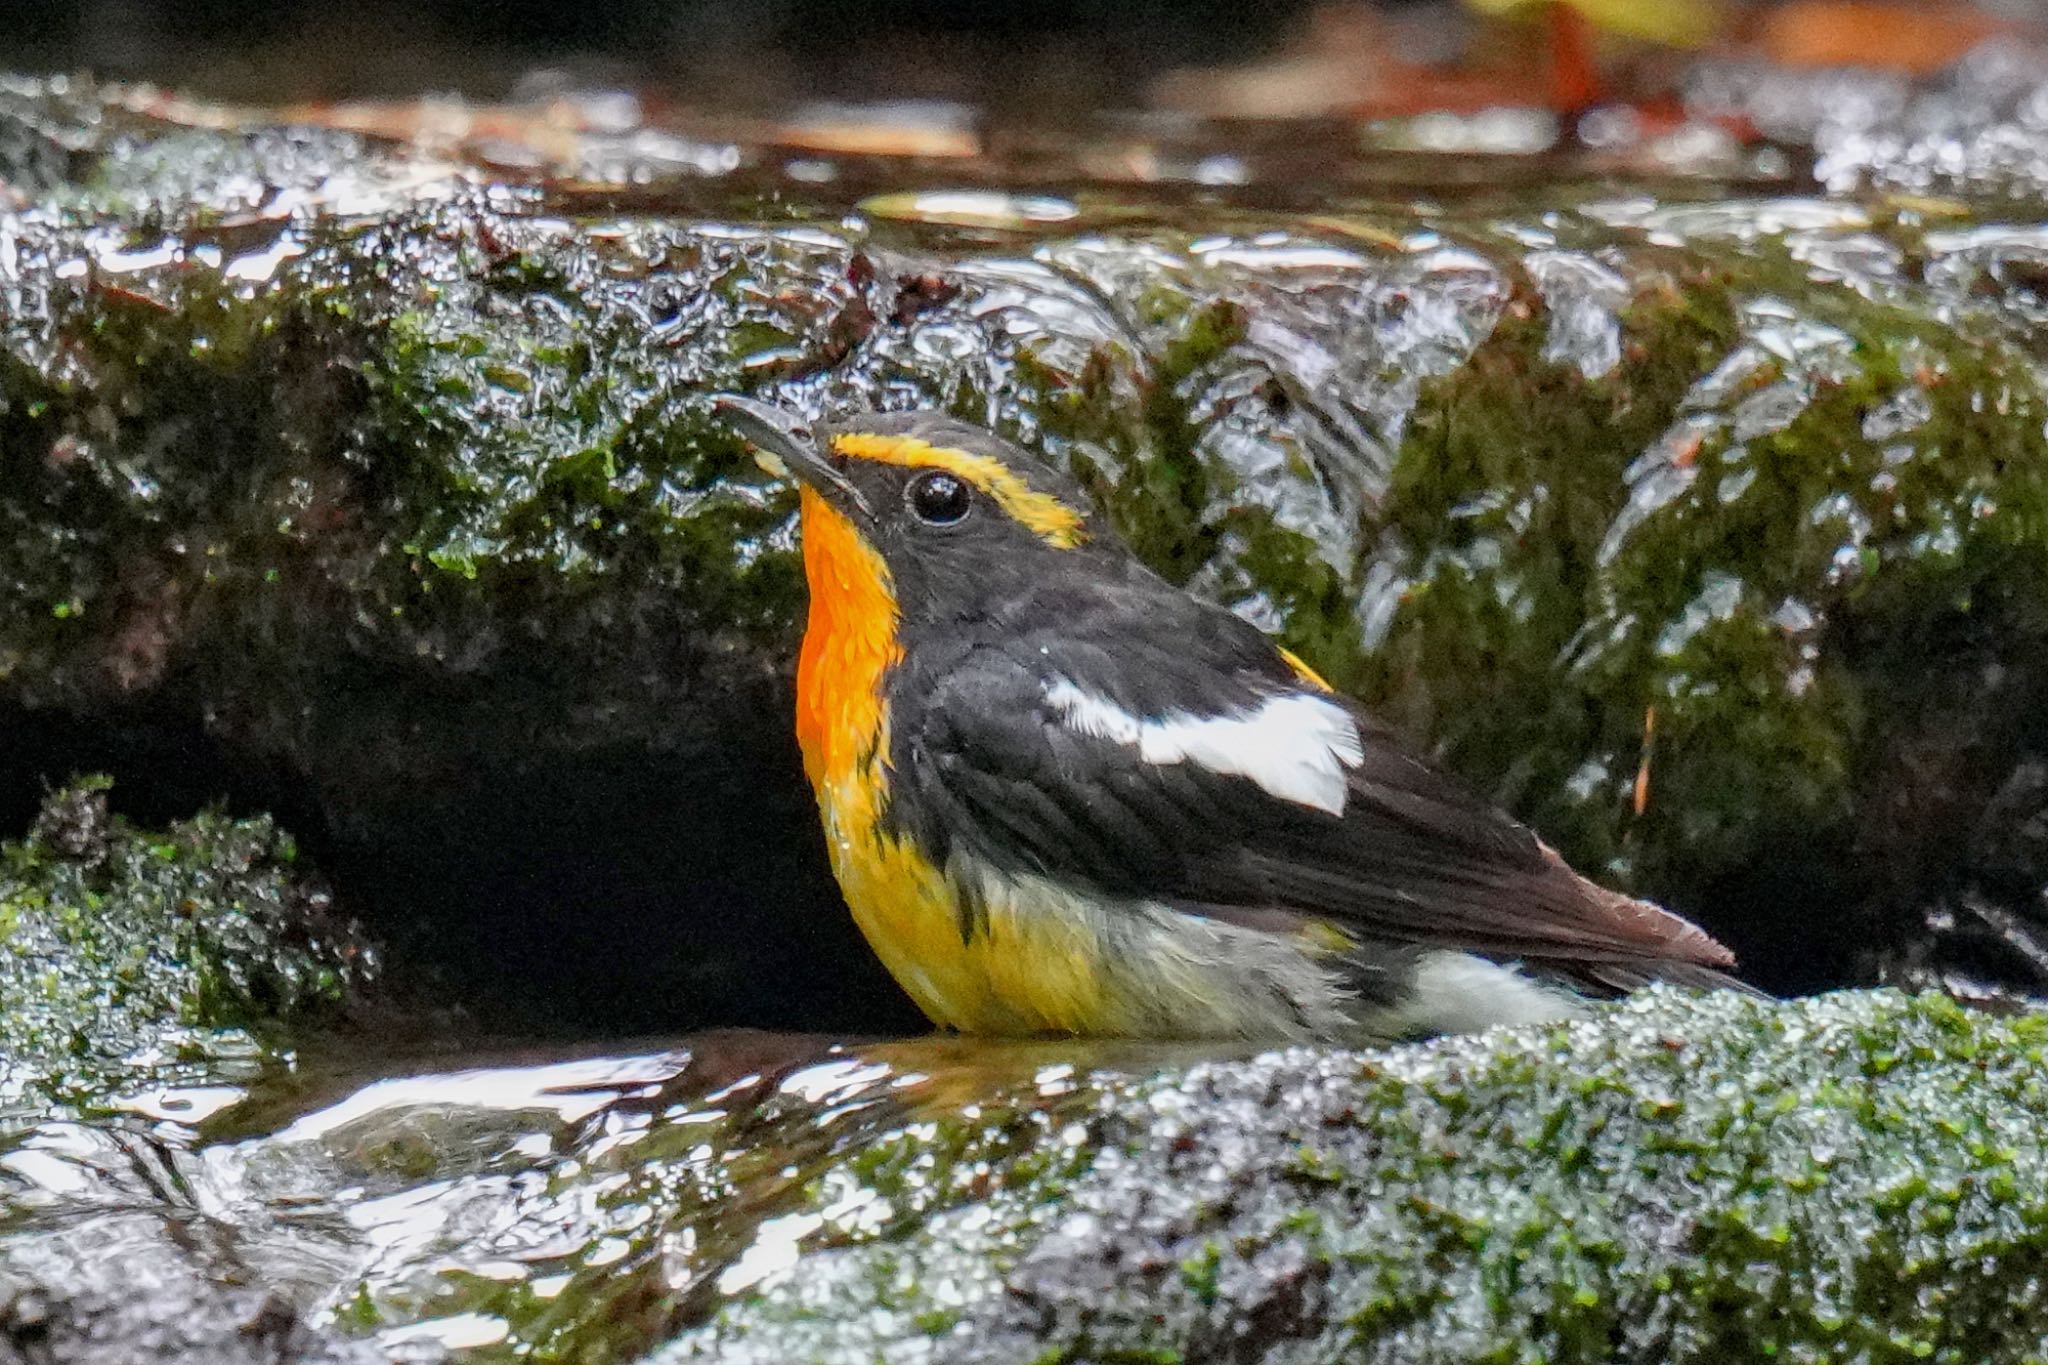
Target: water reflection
(455, 1210)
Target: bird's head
(958, 517)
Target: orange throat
(849, 647)
(1028, 968)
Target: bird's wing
(1208, 774)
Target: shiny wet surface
(1642, 484)
(525, 1198)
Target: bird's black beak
(787, 439)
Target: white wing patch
(1295, 745)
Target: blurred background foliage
(1029, 62)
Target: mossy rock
(132, 958)
(1681, 1179)
(147, 975)
(406, 515)
(1675, 1179)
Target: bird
(1064, 796)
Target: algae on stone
(1679, 1179)
(406, 507)
(132, 958)
(1685, 613)
(146, 975)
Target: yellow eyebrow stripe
(1051, 520)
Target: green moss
(1659, 580)
(447, 471)
(1199, 1271)
(1161, 500)
(936, 1322)
(190, 953)
(1682, 1179)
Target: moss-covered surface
(438, 552)
(132, 958)
(1855, 1177)
(147, 975)
(394, 497)
(1677, 1179)
(1685, 614)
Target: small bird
(1063, 796)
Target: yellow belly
(1017, 973)
(1046, 958)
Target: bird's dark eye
(938, 498)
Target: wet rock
(134, 960)
(379, 489)
(424, 482)
(1682, 1180)
(1677, 1179)
(1972, 129)
(145, 977)
(89, 1308)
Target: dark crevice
(619, 893)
